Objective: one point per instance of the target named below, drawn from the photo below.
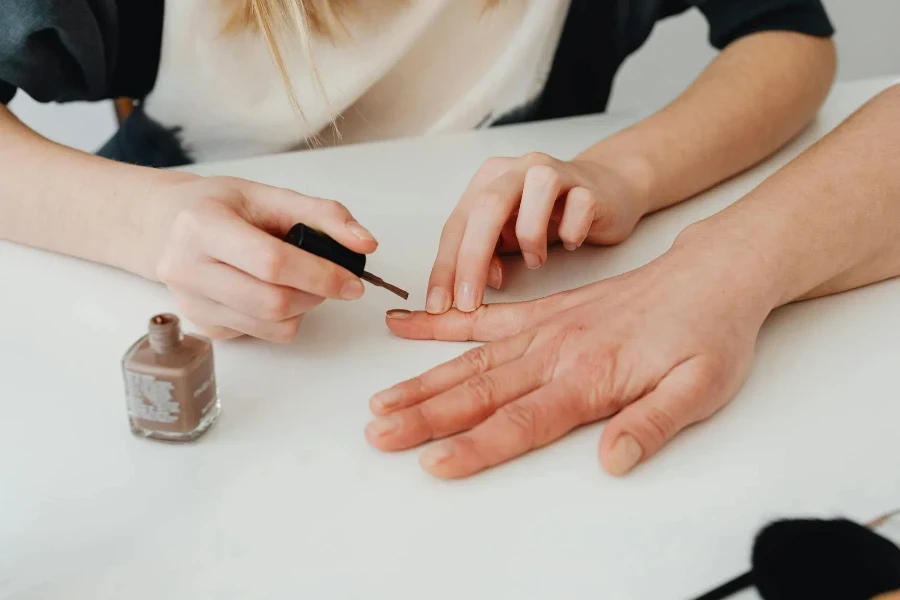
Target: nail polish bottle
(170, 383)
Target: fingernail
(625, 454)
(398, 313)
(435, 455)
(384, 426)
(437, 301)
(465, 297)
(359, 231)
(570, 247)
(495, 276)
(388, 399)
(532, 261)
(352, 290)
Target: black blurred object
(814, 558)
(315, 242)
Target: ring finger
(211, 314)
(247, 295)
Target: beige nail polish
(465, 297)
(398, 313)
(385, 426)
(496, 276)
(437, 301)
(625, 454)
(170, 383)
(532, 261)
(435, 455)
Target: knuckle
(659, 424)
(337, 209)
(224, 180)
(544, 175)
(482, 390)
(190, 221)
(271, 264)
(477, 359)
(522, 418)
(286, 331)
(168, 270)
(276, 305)
(534, 159)
(493, 166)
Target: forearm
(66, 201)
(760, 92)
(827, 222)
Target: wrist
(151, 217)
(733, 262)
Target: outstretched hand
(656, 349)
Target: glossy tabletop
(284, 498)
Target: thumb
(488, 323)
(276, 210)
(683, 397)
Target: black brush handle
(316, 242)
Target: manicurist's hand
(656, 349)
(522, 205)
(222, 256)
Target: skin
(213, 241)
(665, 345)
(746, 104)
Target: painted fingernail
(532, 261)
(625, 454)
(437, 301)
(495, 276)
(570, 247)
(387, 400)
(465, 297)
(352, 290)
(398, 313)
(359, 231)
(435, 455)
(384, 426)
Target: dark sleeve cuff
(730, 20)
(7, 93)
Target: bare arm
(67, 201)
(760, 92)
(213, 241)
(830, 220)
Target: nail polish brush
(316, 242)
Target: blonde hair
(306, 19)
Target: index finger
(233, 241)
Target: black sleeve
(65, 50)
(730, 20)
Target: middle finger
(493, 207)
(459, 408)
(248, 295)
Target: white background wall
(676, 52)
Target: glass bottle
(170, 383)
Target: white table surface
(285, 499)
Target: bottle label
(150, 399)
(206, 393)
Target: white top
(435, 66)
(285, 499)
